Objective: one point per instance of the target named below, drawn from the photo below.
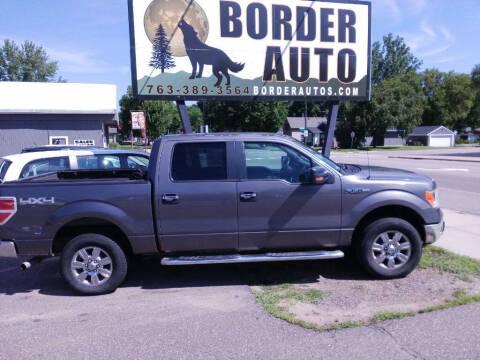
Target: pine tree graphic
(161, 55)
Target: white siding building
(38, 114)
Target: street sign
(250, 50)
(352, 135)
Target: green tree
(351, 117)
(314, 108)
(476, 77)
(246, 116)
(473, 119)
(397, 102)
(162, 116)
(391, 58)
(392, 62)
(27, 62)
(196, 117)
(450, 98)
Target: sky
(90, 38)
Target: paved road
(202, 313)
(459, 182)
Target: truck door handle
(170, 198)
(246, 196)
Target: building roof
(299, 122)
(314, 130)
(429, 130)
(63, 98)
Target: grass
(391, 316)
(445, 261)
(271, 296)
(128, 147)
(461, 298)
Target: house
(392, 137)
(315, 129)
(470, 135)
(436, 136)
(38, 114)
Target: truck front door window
(265, 161)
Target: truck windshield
(319, 156)
(4, 165)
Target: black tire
(113, 261)
(369, 258)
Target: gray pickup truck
(220, 198)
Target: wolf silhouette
(201, 54)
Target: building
(392, 137)
(470, 135)
(315, 128)
(436, 136)
(38, 114)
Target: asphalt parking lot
(204, 312)
(209, 312)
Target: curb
(474, 160)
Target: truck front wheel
(389, 248)
(93, 264)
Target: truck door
(196, 201)
(276, 210)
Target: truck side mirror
(320, 176)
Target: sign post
(245, 50)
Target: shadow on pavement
(147, 273)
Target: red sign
(139, 121)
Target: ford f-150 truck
(220, 198)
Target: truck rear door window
(199, 161)
(44, 166)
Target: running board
(237, 258)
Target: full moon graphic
(168, 13)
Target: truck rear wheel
(389, 248)
(93, 264)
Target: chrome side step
(237, 258)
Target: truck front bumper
(7, 250)
(434, 231)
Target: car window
(4, 165)
(199, 161)
(135, 161)
(266, 161)
(44, 166)
(92, 162)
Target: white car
(21, 166)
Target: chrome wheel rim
(391, 250)
(91, 266)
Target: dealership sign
(250, 50)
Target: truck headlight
(432, 198)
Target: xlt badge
(356, 190)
